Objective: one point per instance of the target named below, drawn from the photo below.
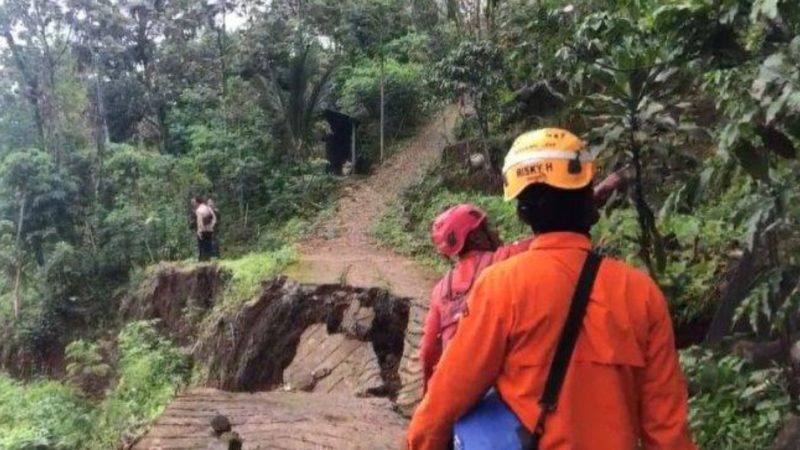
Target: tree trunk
(491, 10)
(478, 17)
(33, 92)
(383, 102)
(483, 127)
(163, 127)
(100, 128)
(18, 259)
(223, 69)
(649, 240)
(17, 282)
(452, 10)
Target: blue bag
(490, 425)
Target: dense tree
(36, 34)
(295, 95)
(473, 71)
(38, 198)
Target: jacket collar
(473, 257)
(561, 240)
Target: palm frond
(297, 97)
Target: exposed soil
(250, 350)
(316, 329)
(789, 436)
(340, 343)
(179, 297)
(343, 251)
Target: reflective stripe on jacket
(624, 384)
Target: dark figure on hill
(205, 221)
(215, 251)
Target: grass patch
(249, 271)
(151, 370)
(293, 231)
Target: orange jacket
(624, 384)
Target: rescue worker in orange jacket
(461, 232)
(624, 388)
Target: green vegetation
(405, 101)
(249, 271)
(114, 113)
(150, 371)
(48, 414)
(43, 414)
(106, 131)
(731, 404)
(697, 99)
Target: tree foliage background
(114, 112)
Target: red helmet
(450, 230)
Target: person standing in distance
(205, 221)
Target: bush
(151, 371)
(86, 368)
(695, 248)
(42, 415)
(732, 406)
(413, 47)
(146, 222)
(299, 193)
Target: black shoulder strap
(566, 344)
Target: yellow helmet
(549, 155)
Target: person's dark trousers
(215, 246)
(205, 245)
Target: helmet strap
(575, 165)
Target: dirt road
(353, 258)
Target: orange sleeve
(663, 408)
(430, 349)
(468, 367)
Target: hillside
(225, 207)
